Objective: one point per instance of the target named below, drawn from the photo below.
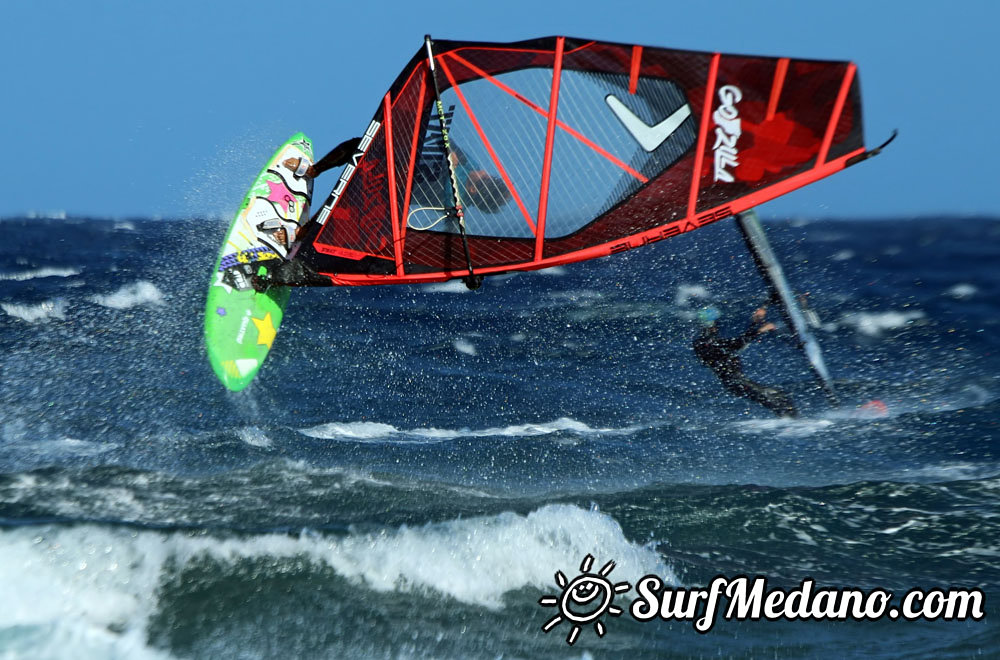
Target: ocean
(415, 467)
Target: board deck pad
(240, 323)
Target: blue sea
(415, 464)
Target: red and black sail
(568, 149)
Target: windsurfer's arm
(339, 155)
(757, 328)
(758, 324)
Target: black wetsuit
(721, 355)
(339, 155)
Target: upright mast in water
(770, 269)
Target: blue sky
(168, 109)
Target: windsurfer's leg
(772, 398)
(775, 400)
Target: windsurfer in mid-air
(721, 355)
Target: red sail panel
(567, 149)
(359, 224)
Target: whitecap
(351, 431)
(874, 323)
(478, 560)
(688, 292)
(131, 295)
(465, 346)
(38, 273)
(45, 311)
(253, 436)
(376, 431)
(83, 588)
(101, 584)
(451, 286)
(783, 427)
(962, 291)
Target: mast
(472, 280)
(770, 269)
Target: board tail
(772, 272)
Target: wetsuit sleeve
(738, 343)
(338, 156)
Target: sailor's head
(707, 316)
(486, 192)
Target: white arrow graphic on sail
(649, 137)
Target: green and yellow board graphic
(241, 323)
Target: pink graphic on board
(280, 194)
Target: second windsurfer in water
(721, 355)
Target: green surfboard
(240, 323)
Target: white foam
(377, 431)
(351, 431)
(478, 560)
(556, 271)
(962, 291)
(688, 292)
(100, 585)
(783, 427)
(45, 311)
(874, 323)
(465, 346)
(38, 273)
(451, 286)
(72, 447)
(69, 588)
(131, 295)
(843, 255)
(253, 436)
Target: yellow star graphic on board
(265, 330)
